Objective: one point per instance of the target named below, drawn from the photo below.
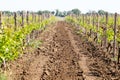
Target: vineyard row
(18, 30)
(102, 29)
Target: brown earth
(64, 55)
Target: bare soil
(64, 55)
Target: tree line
(59, 13)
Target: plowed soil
(64, 55)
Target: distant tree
(69, 12)
(94, 12)
(7, 13)
(19, 12)
(53, 12)
(91, 12)
(39, 12)
(76, 11)
(42, 12)
(60, 14)
(45, 11)
(101, 12)
(65, 13)
(57, 12)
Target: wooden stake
(90, 25)
(32, 17)
(38, 17)
(27, 19)
(15, 20)
(93, 23)
(0, 19)
(8, 19)
(22, 18)
(118, 52)
(105, 31)
(114, 43)
(83, 18)
(97, 27)
(90, 19)
(35, 17)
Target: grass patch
(3, 76)
(35, 43)
(114, 59)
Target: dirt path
(83, 59)
(63, 64)
(62, 56)
(30, 65)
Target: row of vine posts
(25, 19)
(94, 19)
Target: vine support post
(15, 20)
(90, 19)
(97, 28)
(32, 17)
(93, 20)
(23, 25)
(35, 17)
(0, 19)
(27, 20)
(118, 61)
(38, 18)
(86, 18)
(86, 23)
(8, 18)
(114, 38)
(83, 18)
(80, 18)
(27, 17)
(93, 24)
(43, 16)
(105, 30)
(22, 18)
(90, 22)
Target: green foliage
(118, 34)
(11, 42)
(88, 27)
(76, 11)
(3, 76)
(110, 34)
(101, 12)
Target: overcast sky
(83, 5)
